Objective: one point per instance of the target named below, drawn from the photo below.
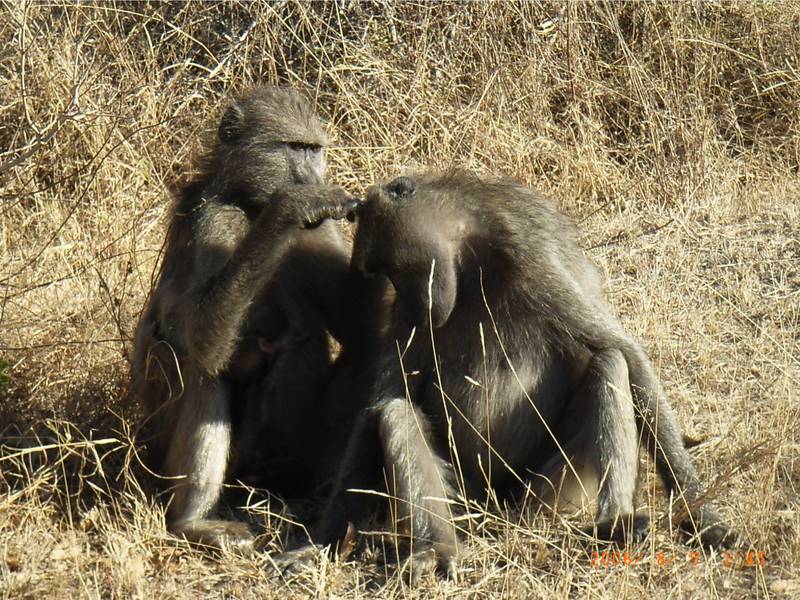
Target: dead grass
(670, 131)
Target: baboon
(504, 367)
(232, 356)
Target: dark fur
(503, 257)
(231, 354)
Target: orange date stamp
(737, 559)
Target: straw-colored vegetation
(670, 132)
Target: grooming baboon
(517, 363)
(231, 354)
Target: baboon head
(269, 138)
(406, 229)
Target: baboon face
(406, 230)
(307, 162)
(273, 131)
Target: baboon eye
(401, 187)
(302, 146)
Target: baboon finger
(358, 211)
(339, 209)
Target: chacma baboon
(517, 370)
(232, 355)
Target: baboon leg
(599, 437)
(592, 324)
(418, 481)
(614, 443)
(198, 453)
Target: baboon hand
(326, 202)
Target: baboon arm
(398, 357)
(363, 459)
(227, 281)
(218, 305)
(419, 479)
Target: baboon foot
(624, 530)
(293, 561)
(297, 560)
(709, 530)
(425, 561)
(216, 534)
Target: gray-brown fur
(231, 354)
(503, 256)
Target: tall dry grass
(670, 131)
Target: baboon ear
(401, 187)
(232, 124)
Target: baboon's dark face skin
(409, 233)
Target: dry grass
(670, 131)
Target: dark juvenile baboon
(231, 354)
(515, 347)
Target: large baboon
(517, 371)
(232, 356)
